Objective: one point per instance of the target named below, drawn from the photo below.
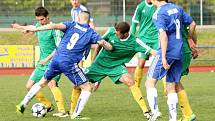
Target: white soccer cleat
(155, 116)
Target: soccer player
(168, 20)
(112, 63)
(76, 10)
(189, 52)
(47, 42)
(76, 40)
(147, 33)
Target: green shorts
(38, 73)
(97, 72)
(153, 45)
(186, 63)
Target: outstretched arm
(47, 27)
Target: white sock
(82, 100)
(152, 96)
(172, 102)
(31, 93)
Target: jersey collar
(125, 38)
(148, 4)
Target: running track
(28, 71)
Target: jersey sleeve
(142, 47)
(137, 14)
(159, 21)
(106, 35)
(68, 25)
(95, 37)
(187, 20)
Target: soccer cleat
(147, 114)
(78, 117)
(191, 118)
(155, 116)
(20, 109)
(61, 114)
(51, 108)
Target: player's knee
(150, 83)
(28, 87)
(129, 83)
(52, 84)
(179, 87)
(141, 63)
(86, 86)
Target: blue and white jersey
(76, 11)
(170, 18)
(76, 41)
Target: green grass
(110, 102)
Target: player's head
(158, 2)
(75, 3)
(84, 17)
(42, 15)
(122, 30)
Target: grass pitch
(111, 102)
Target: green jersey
(123, 49)
(48, 41)
(143, 16)
(186, 48)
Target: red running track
(28, 71)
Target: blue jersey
(170, 18)
(76, 42)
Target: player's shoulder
(83, 8)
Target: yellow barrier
(16, 56)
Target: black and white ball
(38, 110)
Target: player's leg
(136, 92)
(58, 96)
(31, 93)
(76, 91)
(51, 72)
(138, 74)
(34, 78)
(172, 78)
(185, 107)
(78, 78)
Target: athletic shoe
(51, 108)
(20, 109)
(155, 116)
(147, 114)
(78, 117)
(191, 118)
(61, 114)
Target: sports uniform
(147, 31)
(169, 18)
(48, 41)
(112, 63)
(76, 40)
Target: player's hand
(165, 64)
(191, 43)
(42, 62)
(14, 25)
(195, 53)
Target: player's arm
(60, 26)
(144, 48)
(105, 45)
(48, 58)
(21, 28)
(135, 19)
(96, 52)
(164, 42)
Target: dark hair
(122, 27)
(41, 11)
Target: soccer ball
(38, 110)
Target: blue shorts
(157, 72)
(71, 70)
